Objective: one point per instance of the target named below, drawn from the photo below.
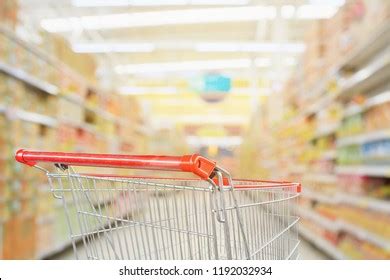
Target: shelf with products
(376, 72)
(325, 217)
(373, 73)
(50, 84)
(52, 109)
(29, 79)
(327, 89)
(367, 170)
(340, 128)
(321, 177)
(324, 245)
(362, 138)
(360, 201)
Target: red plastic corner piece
(198, 165)
(299, 188)
(19, 157)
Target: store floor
(307, 252)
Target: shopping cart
(214, 217)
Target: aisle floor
(307, 252)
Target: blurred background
(272, 89)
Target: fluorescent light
(337, 3)
(270, 47)
(209, 119)
(183, 66)
(316, 11)
(290, 61)
(157, 2)
(113, 48)
(262, 62)
(129, 90)
(219, 2)
(129, 47)
(158, 18)
(287, 11)
(100, 3)
(141, 3)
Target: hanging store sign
(213, 87)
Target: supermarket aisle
(313, 108)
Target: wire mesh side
(127, 219)
(268, 217)
(122, 218)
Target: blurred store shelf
(365, 170)
(327, 247)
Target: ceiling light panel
(149, 3)
(316, 11)
(113, 48)
(183, 66)
(248, 47)
(251, 47)
(159, 18)
(129, 90)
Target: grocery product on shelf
(9, 13)
(351, 125)
(349, 155)
(377, 152)
(341, 104)
(53, 109)
(354, 248)
(377, 117)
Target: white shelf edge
(363, 75)
(363, 138)
(351, 199)
(380, 37)
(369, 170)
(321, 177)
(365, 235)
(329, 130)
(31, 117)
(29, 79)
(341, 225)
(56, 250)
(322, 244)
(51, 89)
(376, 100)
(319, 219)
(364, 202)
(320, 197)
(377, 64)
(359, 51)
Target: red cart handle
(196, 164)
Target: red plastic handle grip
(196, 164)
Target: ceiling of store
(136, 35)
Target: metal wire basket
(214, 217)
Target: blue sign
(216, 83)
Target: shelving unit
(322, 244)
(367, 170)
(47, 120)
(370, 47)
(310, 147)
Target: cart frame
(127, 217)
